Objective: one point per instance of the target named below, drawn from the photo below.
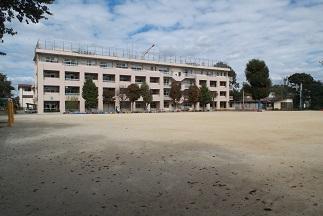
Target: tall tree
(30, 11)
(257, 75)
(310, 89)
(205, 96)
(145, 92)
(90, 94)
(316, 95)
(133, 93)
(193, 95)
(5, 87)
(175, 93)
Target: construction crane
(148, 50)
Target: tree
(311, 90)
(175, 93)
(316, 95)
(90, 94)
(205, 96)
(282, 91)
(23, 10)
(146, 94)
(257, 75)
(193, 95)
(133, 93)
(5, 87)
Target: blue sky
(287, 34)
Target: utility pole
(300, 96)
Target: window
(51, 106)
(166, 104)
(153, 105)
(72, 90)
(202, 82)
(213, 83)
(69, 75)
(51, 89)
(106, 64)
(136, 67)
(90, 62)
(92, 76)
(108, 78)
(125, 78)
(140, 79)
(122, 65)
(188, 72)
(140, 105)
(154, 91)
(51, 73)
(166, 81)
(51, 59)
(70, 62)
(163, 69)
(166, 92)
(223, 104)
(223, 83)
(223, 93)
(154, 79)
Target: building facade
(26, 95)
(61, 69)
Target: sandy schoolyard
(212, 163)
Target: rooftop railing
(89, 49)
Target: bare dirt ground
(219, 163)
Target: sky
(286, 34)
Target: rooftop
(94, 50)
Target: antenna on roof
(148, 50)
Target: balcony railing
(72, 93)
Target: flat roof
(65, 48)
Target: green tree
(282, 91)
(310, 90)
(205, 96)
(257, 75)
(133, 93)
(193, 95)
(90, 94)
(30, 11)
(316, 95)
(175, 93)
(146, 94)
(5, 87)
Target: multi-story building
(63, 67)
(26, 95)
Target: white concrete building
(62, 67)
(26, 95)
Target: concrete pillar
(40, 89)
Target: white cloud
(288, 35)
